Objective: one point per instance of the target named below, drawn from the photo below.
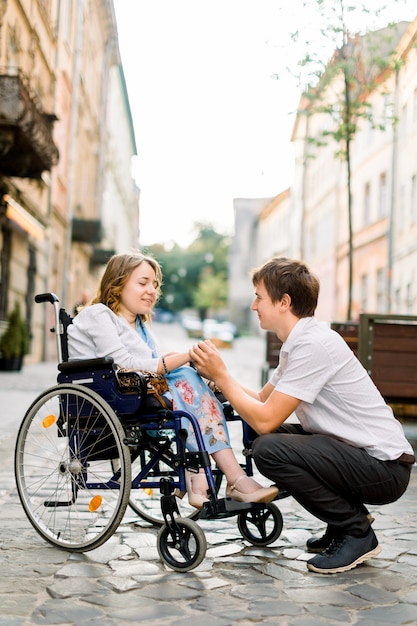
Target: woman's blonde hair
(116, 275)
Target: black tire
(183, 546)
(64, 459)
(261, 526)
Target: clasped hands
(206, 359)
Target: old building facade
(68, 199)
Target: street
(124, 581)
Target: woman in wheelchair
(115, 324)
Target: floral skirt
(191, 393)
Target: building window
(367, 204)
(409, 298)
(413, 199)
(380, 291)
(403, 122)
(397, 300)
(364, 293)
(401, 210)
(387, 113)
(383, 204)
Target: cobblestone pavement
(124, 582)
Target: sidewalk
(124, 582)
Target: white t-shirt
(338, 397)
(97, 332)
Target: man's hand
(207, 360)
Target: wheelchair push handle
(46, 297)
(58, 329)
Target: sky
(212, 107)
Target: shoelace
(335, 544)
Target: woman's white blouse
(97, 332)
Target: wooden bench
(350, 333)
(388, 351)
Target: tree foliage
(195, 276)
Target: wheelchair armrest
(130, 381)
(85, 364)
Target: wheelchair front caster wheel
(261, 527)
(181, 545)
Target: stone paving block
(65, 612)
(107, 552)
(399, 614)
(278, 607)
(134, 567)
(203, 620)
(255, 591)
(208, 583)
(170, 592)
(226, 607)
(17, 603)
(326, 596)
(223, 550)
(88, 570)
(11, 620)
(410, 598)
(140, 540)
(72, 587)
(373, 594)
(331, 613)
(146, 612)
(147, 554)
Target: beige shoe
(263, 494)
(195, 499)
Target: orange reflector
(95, 503)
(148, 491)
(48, 421)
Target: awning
(22, 218)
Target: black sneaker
(319, 544)
(345, 553)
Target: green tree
(186, 270)
(211, 293)
(338, 87)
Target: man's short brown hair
(288, 276)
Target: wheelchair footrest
(227, 507)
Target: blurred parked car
(163, 316)
(192, 326)
(221, 333)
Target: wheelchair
(90, 447)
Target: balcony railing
(26, 145)
(87, 231)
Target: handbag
(150, 384)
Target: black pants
(329, 478)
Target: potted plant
(14, 343)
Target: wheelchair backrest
(99, 374)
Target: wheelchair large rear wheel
(65, 452)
